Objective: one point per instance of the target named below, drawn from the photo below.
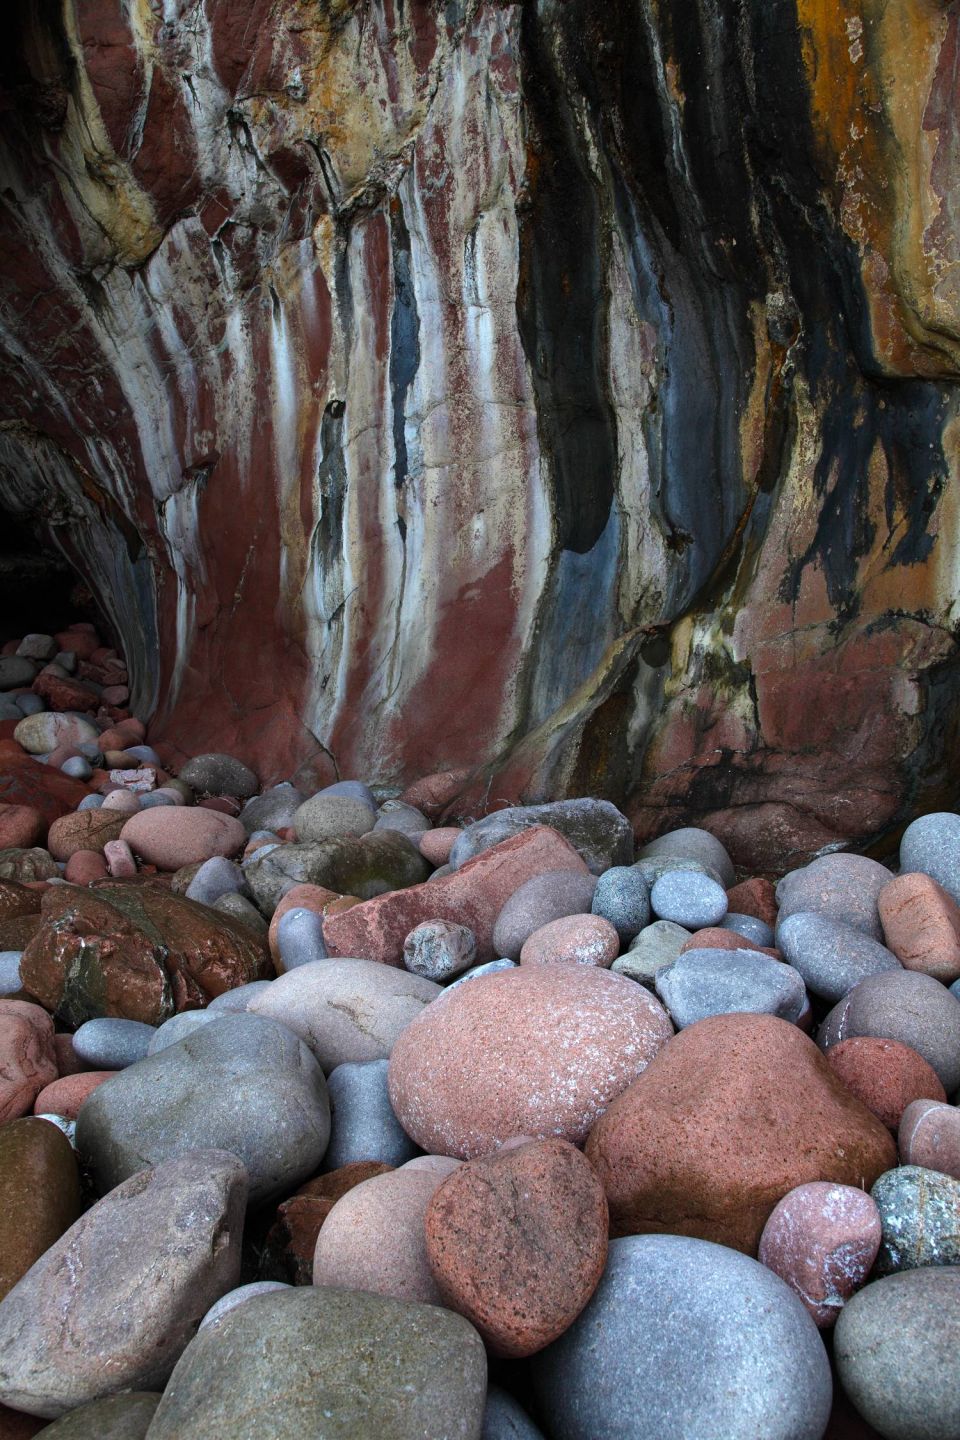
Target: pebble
(91, 802)
(832, 957)
(10, 983)
(716, 982)
(274, 809)
(66, 1095)
(216, 877)
(749, 926)
(655, 947)
(178, 1027)
(505, 1419)
(353, 788)
(885, 1074)
(900, 1005)
(574, 940)
(16, 670)
(929, 1136)
(327, 817)
(27, 1056)
(435, 845)
(30, 704)
(77, 768)
(688, 899)
(119, 858)
(41, 733)
(692, 843)
(921, 925)
(37, 646)
(920, 1214)
(240, 1296)
(83, 830)
(299, 939)
(395, 815)
(595, 828)
(110, 1044)
(839, 887)
(288, 1364)
(439, 950)
(622, 897)
(362, 1123)
(490, 967)
(897, 1352)
(214, 774)
(292, 1238)
(686, 1339)
(188, 837)
(931, 845)
(822, 1240)
(539, 900)
(239, 908)
(374, 1238)
(84, 867)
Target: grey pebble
(77, 767)
(751, 927)
(536, 902)
(112, 1044)
(906, 1006)
(439, 950)
(273, 810)
(240, 1296)
(722, 982)
(655, 947)
(505, 1419)
(30, 704)
(688, 899)
(394, 815)
(152, 799)
(94, 802)
(300, 938)
(216, 877)
(693, 843)
(622, 896)
(144, 753)
(601, 833)
(244, 910)
(841, 887)
(920, 1215)
(16, 670)
(37, 646)
(235, 1001)
(931, 844)
(362, 1123)
(490, 967)
(327, 817)
(831, 957)
(10, 972)
(440, 871)
(178, 1027)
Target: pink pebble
(119, 858)
(929, 1135)
(85, 866)
(822, 1239)
(435, 845)
(66, 1095)
(572, 940)
(115, 695)
(123, 800)
(141, 779)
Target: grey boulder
(931, 844)
(686, 1339)
(273, 810)
(595, 828)
(722, 982)
(906, 1006)
(217, 774)
(832, 957)
(241, 1083)
(692, 843)
(336, 1364)
(112, 1305)
(538, 901)
(841, 887)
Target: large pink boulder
(170, 837)
(28, 1059)
(473, 896)
(539, 1050)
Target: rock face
(689, 1148)
(649, 326)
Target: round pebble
(929, 1136)
(822, 1240)
(574, 940)
(77, 768)
(622, 897)
(750, 927)
(692, 843)
(931, 845)
(439, 950)
(720, 982)
(215, 877)
(109, 1044)
(688, 899)
(885, 1075)
(362, 1123)
(920, 1215)
(832, 957)
(538, 901)
(299, 939)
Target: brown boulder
(84, 830)
(885, 1075)
(28, 1059)
(921, 925)
(517, 1243)
(734, 1112)
(39, 1194)
(291, 1241)
(17, 934)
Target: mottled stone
(539, 900)
(686, 1148)
(439, 949)
(218, 774)
(914, 1009)
(517, 1243)
(538, 1050)
(687, 1339)
(241, 1083)
(597, 830)
(336, 1363)
(374, 1238)
(692, 843)
(362, 1123)
(364, 866)
(622, 897)
(21, 826)
(574, 940)
(327, 817)
(897, 1352)
(435, 845)
(755, 896)
(24, 866)
(717, 982)
(655, 947)
(273, 810)
(85, 867)
(346, 1010)
(41, 733)
(39, 1194)
(114, 1302)
(838, 887)
(27, 1056)
(831, 956)
(84, 830)
(920, 1215)
(929, 1136)
(17, 900)
(822, 1240)
(116, 1417)
(885, 1074)
(921, 925)
(688, 899)
(169, 838)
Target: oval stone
(920, 1215)
(822, 1240)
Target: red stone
(63, 694)
(433, 794)
(435, 845)
(172, 837)
(81, 642)
(21, 827)
(66, 1095)
(714, 937)
(929, 1135)
(885, 1075)
(85, 866)
(473, 896)
(68, 1061)
(84, 830)
(24, 781)
(822, 1239)
(374, 1238)
(517, 1243)
(27, 1056)
(921, 925)
(572, 940)
(757, 897)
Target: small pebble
(822, 1239)
(622, 897)
(920, 1214)
(30, 704)
(119, 858)
(216, 877)
(929, 1136)
(750, 927)
(112, 1044)
(439, 950)
(124, 801)
(300, 939)
(362, 1123)
(832, 957)
(572, 940)
(91, 802)
(77, 768)
(10, 983)
(688, 899)
(656, 947)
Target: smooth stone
(686, 1339)
(217, 774)
(77, 768)
(750, 927)
(439, 950)
(362, 1123)
(505, 1419)
(491, 967)
(517, 1243)
(574, 940)
(290, 1242)
(920, 1215)
(178, 1027)
(39, 1195)
(622, 897)
(215, 877)
(273, 810)
(314, 898)
(885, 1074)
(901, 1005)
(115, 1417)
(374, 1238)
(40, 734)
(92, 802)
(115, 1301)
(10, 983)
(690, 1148)
(65, 1096)
(822, 1240)
(435, 845)
(931, 845)
(240, 1296)
(83, 830)
(539, 900)
(653, 868)
(188, 838)
(929, 1136)
(327, 817)
(832, 957)
(241, 1083)
(37, 646)
(395, 815)
(299, 939)
(692, 843)
(718, 982)
(16, 670)
(157, 800)
(535, 1050)
(688, 899)
(119, 859)
(237, 1000)
(921, 925)
(30, 704)
(654, 948)
(597, 830)
(238, 907)
(110, 1044)
(27, 1056)
(897, 1352)
(340, 1364)
(839, 887)
(346, 1010)
(365, 866)
(353, 788)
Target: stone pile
(320, 1115)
